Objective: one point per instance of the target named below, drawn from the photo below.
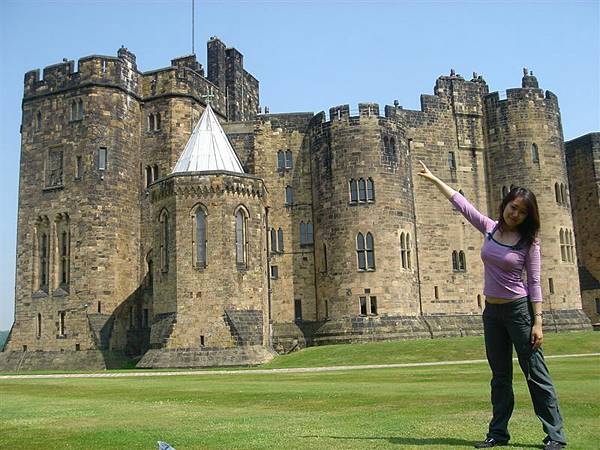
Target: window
(155, 172)
(535, 155)
(274, 272)
(202, 341)
(324, 262)
(164, 240)
(54, 168)
(288, 159)
(297, 309)
(462, 263)
(405, 250)
(39, 325)
(64, 258)
(80, 109)
(73, 114)
(103, 66)
(370, 252)
(374, 305)
(571, 247)
(370, 190)
(102, 158)
(61, 323)
(363, 306)
(44, 259)
(38, 122)
(454, 260)
(306, 233)
(280, 160)
(360, 252)
(241, 232)
(557, 193)
(392, 146)
(273, 241)
(289, 197)
(563, 194)
(563, 247)
(157, 122)
(353, 191)
(362, 190)
(436, 293)
(200, 237)
(280, 240)
(78, 167)
(551, 285)
(451, 161)
(150, 122)
(148, 176)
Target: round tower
(364, 217)
(526, 148)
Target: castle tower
(210, 287)
(525, 147)
(78, 231)
(364, 217)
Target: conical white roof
(208, 148)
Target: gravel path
(266, 371)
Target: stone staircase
(246, 326)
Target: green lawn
(437, 407)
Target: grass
(441, 407)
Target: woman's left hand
(537, 337)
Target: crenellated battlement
(120, 71)
(519, 96)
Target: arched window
(557, 193)
(360, 252)
(157, 122)
(289, 196)
(386, 145)
(462, 261)
(408, 251)
(563, 194)
(64, 257)
(454, 260)
(288, 159)
(353, 191)
(273, 240)
(392, 146)
(571, 247)
(148, 176)
(241, 236)
(155, 172)
(80, 109)
(201, 237)
(280, 160)
(164, 240)
(370, 190)
(362, 190)
(44, 261)
(280, 246)
(535, 156)
(370, 252)
(563, 249)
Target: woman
(510, 246)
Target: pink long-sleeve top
(503, 264)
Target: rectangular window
(436, 294)
(78, 167)
(363, 306)
(451, 161)
(201, 341)
(274, 272)
(54, 168)
(61, 323)
(551, 285)
(102, 158)
(297, 309)
(374, 306)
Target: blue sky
(307, 55)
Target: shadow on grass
(421, 441)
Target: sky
(307, 55)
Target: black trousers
(507, 325)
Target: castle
(144, 233)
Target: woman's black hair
(529, 228)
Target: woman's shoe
(490, 442)
(553, 445)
